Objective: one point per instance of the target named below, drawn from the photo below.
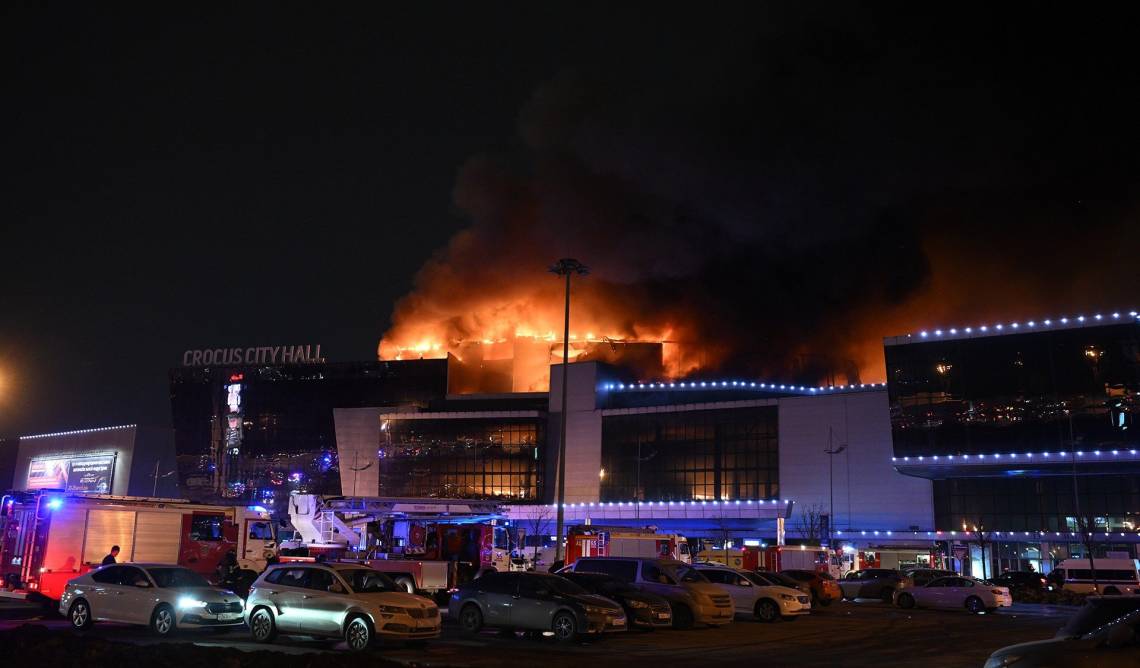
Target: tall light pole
(831, 452)
(565, 267)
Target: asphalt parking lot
(863, 633)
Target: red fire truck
(588, 540)
(48, 538)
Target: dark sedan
(1022, 581)
(880, 583)
(534, 602)
(642, 609)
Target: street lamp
(831, 452)
(565, 267)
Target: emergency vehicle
(48, 538)
(589, 540)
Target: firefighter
(112, 557)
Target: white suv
(347, 601)
(752, 596)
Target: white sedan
(753, 596)
(957, 592)
(161, 596)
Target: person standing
(112, 558)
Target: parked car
(1022, 581)
(642, 609)
(824, 588)
(534, 602)
(161, 596)
(752, 596)
(693, 599)
(880, 583)
(920, 577)
(781, 580)
(347, 601)
(958, 592)
(1111, 576)
(1114, 643)
(1096, 612)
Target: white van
(1113, 576)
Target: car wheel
(767, 611)
(682, 617)
(887, 595)
(470, 619)
(564, 627)
(358, 634)
(406, 583)
(80, 615)
(975, 605)
(261, 625)
(162, 621)
(906, 601)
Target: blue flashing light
(257, 509)
(55, 504)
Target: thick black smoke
(787, 197)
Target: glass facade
(1057, 391)
(726, 454)
(1035, 392)
(464, 458)
(1044, 503)
(254, 434)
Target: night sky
(190, 177)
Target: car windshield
(1098, 612)
(755, 579)
(687, 574)
(368, 581)
(176, 577)
(600, 582)
(797, 575)
(561, 585)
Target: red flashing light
(236, 377)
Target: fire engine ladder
(328, 526)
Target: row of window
(691, 455)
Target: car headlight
(638, 604)
(187, 602)
(598, 610)
(390, 610)
(787, 597)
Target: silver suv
(692, 598)
(347, 601)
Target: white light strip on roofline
(740, 385)
(1061, 457)
(978, 331)
(81, 431)
(661, 504)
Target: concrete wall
(583, 432)
(869, 493)
(357, 442)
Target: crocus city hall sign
(303, 354)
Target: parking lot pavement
(848, 634)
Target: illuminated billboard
(88, 474)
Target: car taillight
(1043, 580)
(997, 591)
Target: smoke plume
(773, 215)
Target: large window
(1039, 392)
(479, 458)
(1037, 504)
(690, 455)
